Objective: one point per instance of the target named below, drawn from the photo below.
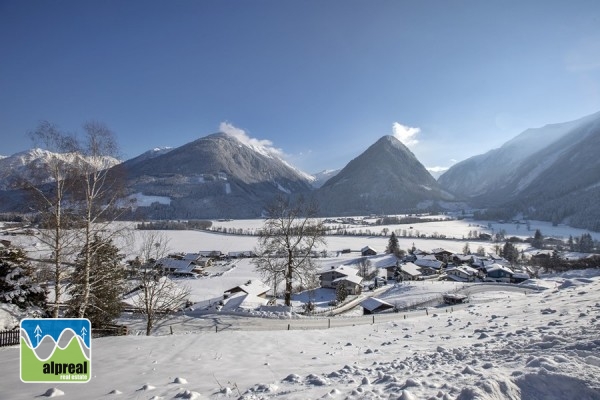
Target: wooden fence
(110, 330)
(10, 337)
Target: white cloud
(438, 169)
(406, 134)
(263, 146)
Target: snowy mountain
(217, 176)
(321, 177)
(387, 178)
(549, 173)
(33, 165)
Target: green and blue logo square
(56, 350)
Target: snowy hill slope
(505, 344)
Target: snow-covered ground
(520, 345)
(508, 342)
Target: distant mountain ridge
(550, 173)
(20, 166)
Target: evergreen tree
(510, 252)
(17, 283)
(106, 282)
(538, 240)
(586, 243)
(393, 245)
(570, 243)
(341, 292)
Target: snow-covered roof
(373, 303)
(521, 275)
(464, 269)
(245, 301)
(253, 286)
(350, 278)
(435, 264)
(367, 248)
(411, 269)
(426, 257)
(496, 267)
(384, 261)
(440, 250)
(342, 269)
(175, 265)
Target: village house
(368, 251)
(243, 301)
(253, 287)
(351, 282)
(178, 267)
(409, 272)
(373, 305)
(462, 273)
(441, 254)
(428, 266)
(498, 273)
(328, 275)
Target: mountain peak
(386, 178)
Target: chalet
(441, 254)
(176, 266)
(462, 273)
(253, 287)
(498, 273)
(374, 305)
(351, 282)
(463, 258)
(409, 272)
(368, 251)
(429, 267)
(330, 275)
(243, 301)
(198, 259)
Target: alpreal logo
(56, 350)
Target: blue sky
(319, 80)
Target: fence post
(373, 318)
(288, 327)
(328, 323)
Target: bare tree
(289, 236)
(50, 189)
(364, 269)
(99, 193)
(158, 294)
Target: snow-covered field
(521, 345)
(507, 343)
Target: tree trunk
(289, 274)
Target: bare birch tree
(286, 242)
(50, 199)
(99, 193)
(158, 295)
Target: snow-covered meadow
(534, 341)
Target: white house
(253, 287)
(410, 272)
